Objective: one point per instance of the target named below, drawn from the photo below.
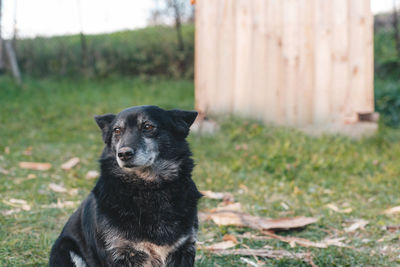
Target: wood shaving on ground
(356, 225)
(31, 176)
(249, 262)
(18, 203)
(92, 175)
(38, 166)
(61, 189)
(336, 209)
(392, 211)
(221, 245)
(28, 151)
(3, 171)
(10, 212)
(60, 205)
(232, 238)
(226, 197)
(255, 222)
(57, 188)
(70, 163)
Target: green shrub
(148, 51)
(154, 51)
(387, 101)
(387, 77)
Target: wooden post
(303, 63)
(225, 56)
(13, 61)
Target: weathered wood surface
(288, 62)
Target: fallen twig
(70, 164)
(38, 166)
(293, 241)
(255, 222)
(272, 254)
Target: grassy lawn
(274, 172)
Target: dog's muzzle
(125, 153)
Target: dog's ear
(104, 121)
(182, 120)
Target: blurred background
(63, 61)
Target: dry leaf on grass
(18, 203)
(92, 175)
(392, 228)
(336, 209)
(70, 164)
(293, 241)
(232, 238)
(38, 166)
(221, 245)
(249, 262)
(228, 207)
(3, 171)
(10, 212)
(272, 254)
(61, 189)
(57, 188)
(356, 225)
(31, 176)
(27, 151)
(392, 211)
(226, 197)
(255, 222)
(251, 236)
(60, 205)
(7, 150)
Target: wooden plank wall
(289, 62)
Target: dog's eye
(117, 131)
(148, 127)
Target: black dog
(143, 209)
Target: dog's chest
(142, 253)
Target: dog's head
(147, 140)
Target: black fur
(134, 213)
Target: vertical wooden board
(340, 59)
(291, 56)
(206, 44)
(305, 75)
(369, 104)
(360, 51)
(323, 62)
(259, 53)
(225, 58)
(200, 75)
(274, 94)
(243, 66)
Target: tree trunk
(178, 25)
(1, 44)
(396, 27)
(12, 59)
(84, 53)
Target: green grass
(148, 51)
(280, 165)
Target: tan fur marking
(157, 254)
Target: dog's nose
(125, 153)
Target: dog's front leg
(63, 255)
(183, 256)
